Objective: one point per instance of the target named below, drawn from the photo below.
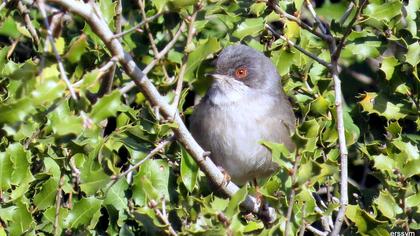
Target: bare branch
(58, 197)
(191, 32)
(316, 231)
(162, 217)
(292, 195)
(346, 13)
(24, 11)
(151, 38)
(57, 55)
(315, 16)
(302, 24)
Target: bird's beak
(218, 76)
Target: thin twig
(26, 18)
(292, 196)
(337, 52)
(346, 13)
(302, 50)
(108, 78)
(191, 32)
(153, 152)
(302, 24)
(137, 26)
(57, 55)
(162, 217)
(315, 16)
(316, 231)
(151, 38)
(100, 28)
(58, 197)
(161, 54)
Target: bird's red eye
(241, 72)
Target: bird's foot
(226, 177)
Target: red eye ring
(241, 72)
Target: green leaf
(107, 106)
(384, 163)
(151, 180)
(257, 8)
(383, 11)
(22, 220)
(77, 48)
(8, 27)
(413, 200)
(388, 66)
(64, 122)
(92, 175)
(249, 27)
(16, 111)
(116, 195)
(21, 164)
(199, 54)
(189, 170)
(411, 168)
(374, 103)
(49, 86)
(387, 205)
(107, 8)
(84, 212)
(413, 54)
(6, 168)
(366, 223)
(283, 60)
(46, 197)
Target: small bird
(245, 105)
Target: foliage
(60, 152)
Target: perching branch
(100, 27)
(24, 12)
(119, 35)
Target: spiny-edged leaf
(374, 103)
(383, 163)
(92, 175)
(159, 4)
(189, 170)
(257, 8)
(413, 54)
(116, 195)
(387, 205)
(22, 220)
(6, 168)
(21, 163)
(235, 201)
(16, 111)
(388, 66)
(201, 52)
(77, 48)
(49, 86)
(107, 8)
(320, 105)
(283, 60)
(85, 212)
(366, 223)
(46, 197)
(107, 106)
(156, 172)
(413, 200)
(249, 27)
(383, 11)
(411, 168)
(352, 132)
(412, 151)
(8, 28)
(63, 121)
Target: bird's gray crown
(262, 73)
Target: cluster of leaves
(57, 152)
